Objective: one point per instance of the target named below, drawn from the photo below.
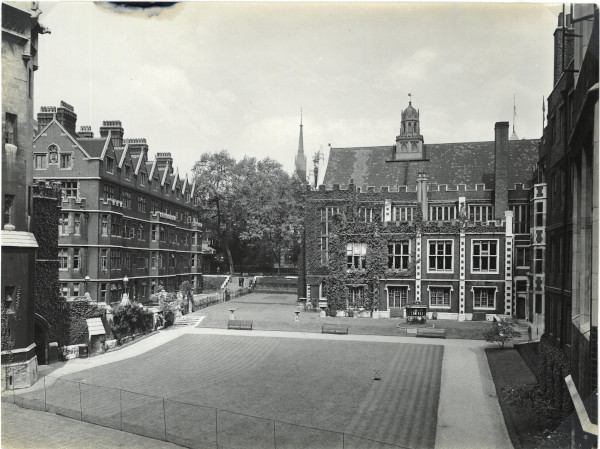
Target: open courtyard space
(276, 312)
(324, 384)
(265, 388)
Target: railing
(221, 296)
(186, 424)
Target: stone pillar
(508, 263)
(418, 266)
(462, 277)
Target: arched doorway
(41, 339)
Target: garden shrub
(554, 367)
(130, 319)
(212, 283)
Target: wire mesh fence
(188, 425)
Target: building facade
(127, 223)
(568, 167)
(20, 30)
(444, 226)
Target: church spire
(300, 157)
(514, 136)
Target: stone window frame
(449, 288)
(480, 288)
(436, 270)
(400, 255)
(66, 156)
(356, 256)
(388, 297)
(489, 256)
(45, 161)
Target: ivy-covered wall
(44, 224)
(347, 227)
(78, 311)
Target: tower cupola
(409, 144)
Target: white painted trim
(427, 257)
(75, 178)
(473, 287)
(497, 256)
(387, 292)
(451, 287)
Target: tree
(273, 222)
(218, 188)
(249, 204)
(500, 332)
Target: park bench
(431, 333)
(239, 324)
(334, 329)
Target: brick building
(440, 225)
(20, 30)
(123, 215)
(568, 169)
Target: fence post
(14, 381)
(45, 401)
(120, 409)
(165, 418)
(80, 406)
(274, 436)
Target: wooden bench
(431, 333)
(239, 324)
(334, 329)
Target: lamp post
(87, 290)
(125, 297)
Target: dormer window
(142, 178)
(110, 165)
(128, 173)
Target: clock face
(53, 154)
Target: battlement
(163, 155)
(521, 186)
(85, 128)
(405, 188)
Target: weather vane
(409, 97)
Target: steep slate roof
(93, 146)
(446, 163)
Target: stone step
(186, 320)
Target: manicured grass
(275, 312)
(320, 384)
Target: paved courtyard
(432, 393)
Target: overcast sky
(201, 77)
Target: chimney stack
(45, 116)
(116, 131)
(163, 160)
(422, 197)
(500, 170)
(563, 45)
(85, 132)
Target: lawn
(275, 312)
(281, 384)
